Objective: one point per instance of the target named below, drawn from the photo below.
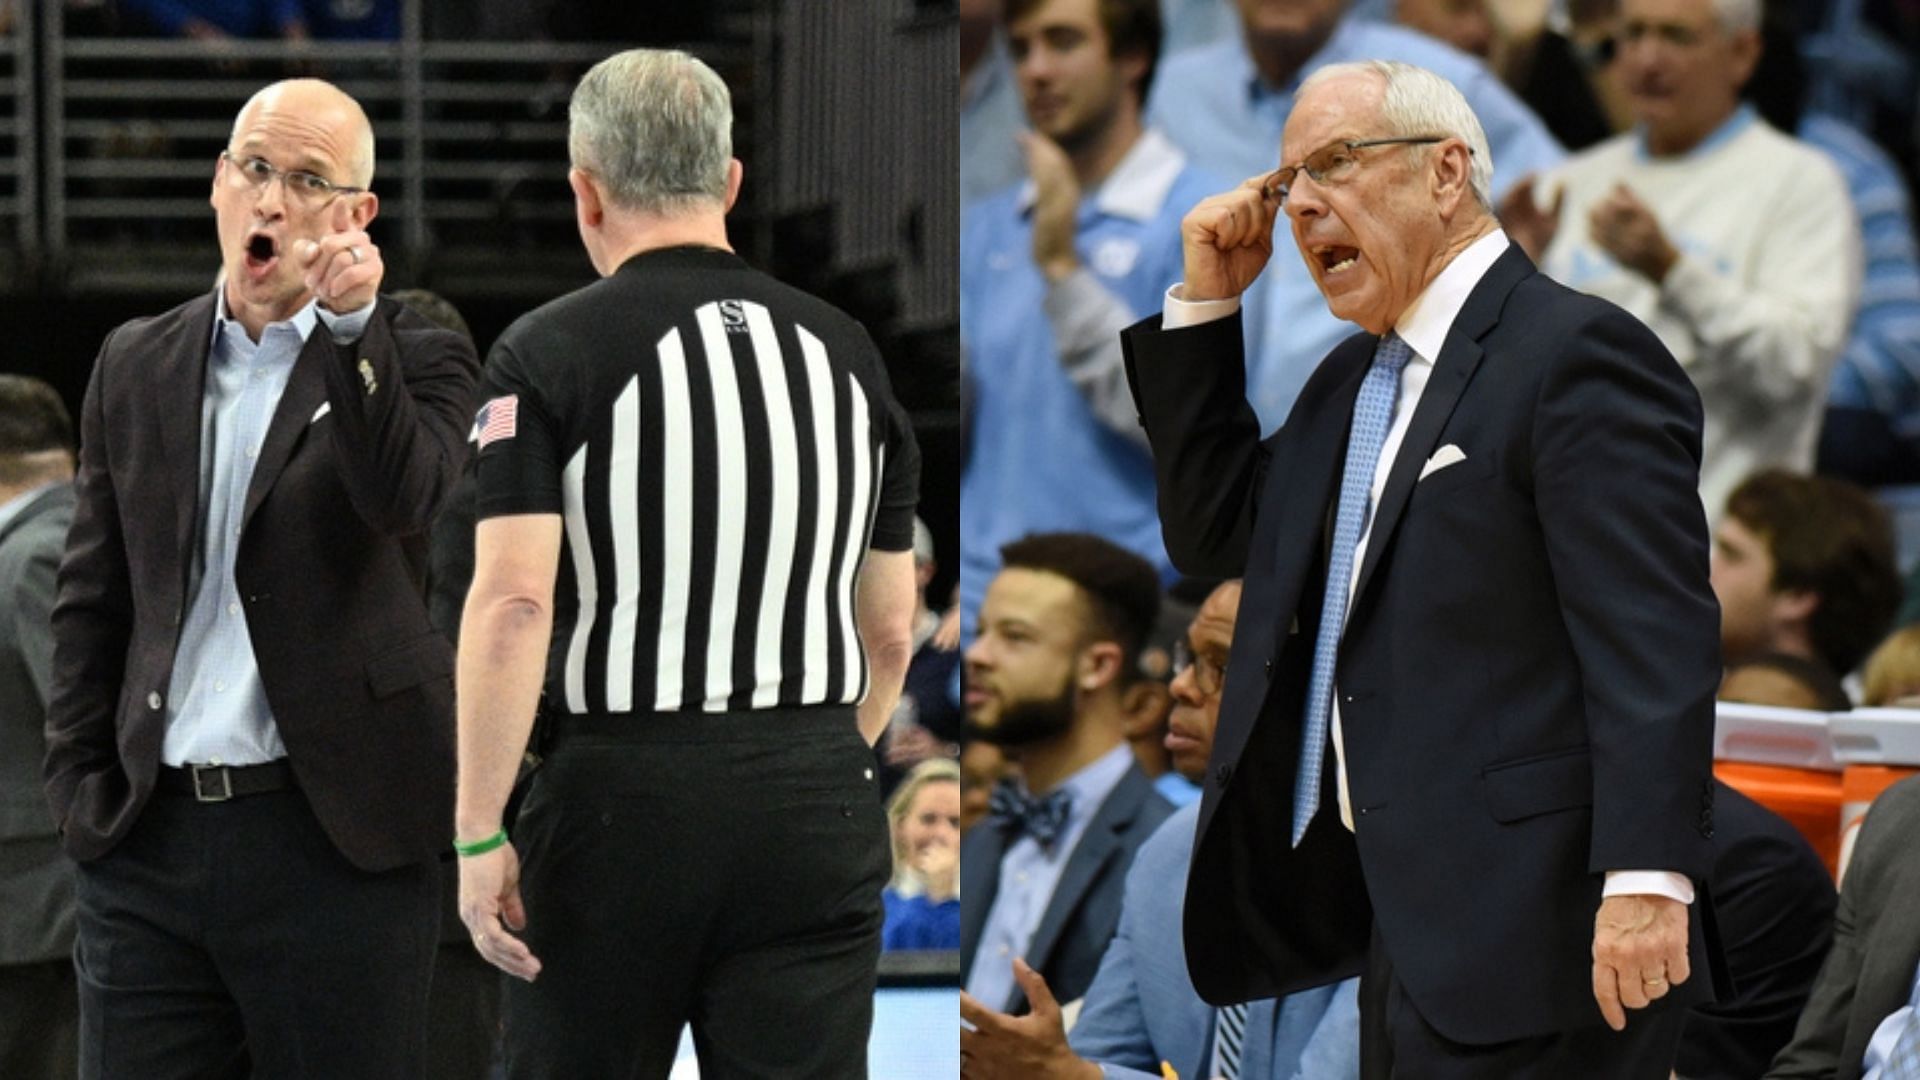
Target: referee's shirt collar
(682, 257)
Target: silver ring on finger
(355, 252)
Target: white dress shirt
(1423, 326)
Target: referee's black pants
(718, 870)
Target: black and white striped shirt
(723, 450)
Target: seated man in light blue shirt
(1142, 1014)
(1226, 105)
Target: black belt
(218, 783)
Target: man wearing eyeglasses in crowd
(251, 728)
(1465, 729)
(1737, 244)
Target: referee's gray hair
(656, 127)
(1737, 16)
(1418, 102)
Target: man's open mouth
(262, 252)
(1334, 258)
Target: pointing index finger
(342, 219)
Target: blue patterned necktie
(1039, 816)
(1372, 416)
(1229, 1038)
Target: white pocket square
(1443, 457)
(327, 407)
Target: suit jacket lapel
(1459, 358)
(180, 393)
(1300, 487)
(980, 855)
(1098, 844)
(306, 389)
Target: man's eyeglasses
(1332, 163)
(256, 173)
(1208, 677)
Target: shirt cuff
(1180, 313)
(1648, 882)
(346, 329)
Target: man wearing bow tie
(1465, 738)
(1059, 635)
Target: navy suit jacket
(1526, 675)
(1085, 906)
(363, 447)
(1876, 946)
(1142, 1009)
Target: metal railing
(108, 145)
(19, 112)
(470, 145)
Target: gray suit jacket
(1084, 909)
(1143, 1010)
(36, 884)
(1876, 946)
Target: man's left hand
(490, 906)
(1030, 1047)
(343, 269)
(1639, 953)
(1056, 206)
(1626, 229)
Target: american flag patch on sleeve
(497, 419)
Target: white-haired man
(734, 485)
(1738, 245)
(1508, 638)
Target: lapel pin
(366, 376)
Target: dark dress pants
(1397, 1043)
(232, 939)
(39, 1021)
(717, 870)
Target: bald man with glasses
(250, 734)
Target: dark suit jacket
(1084, 910)
(36, 881)
(1876, 945)
(330, 566)
(1526, 676)
(1773, 902)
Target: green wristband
(480, 847)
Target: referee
(696, 493)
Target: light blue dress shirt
(1028, 874)
(1214, 104)
(217, 710)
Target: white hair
(656, 127)
(1417, 103)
